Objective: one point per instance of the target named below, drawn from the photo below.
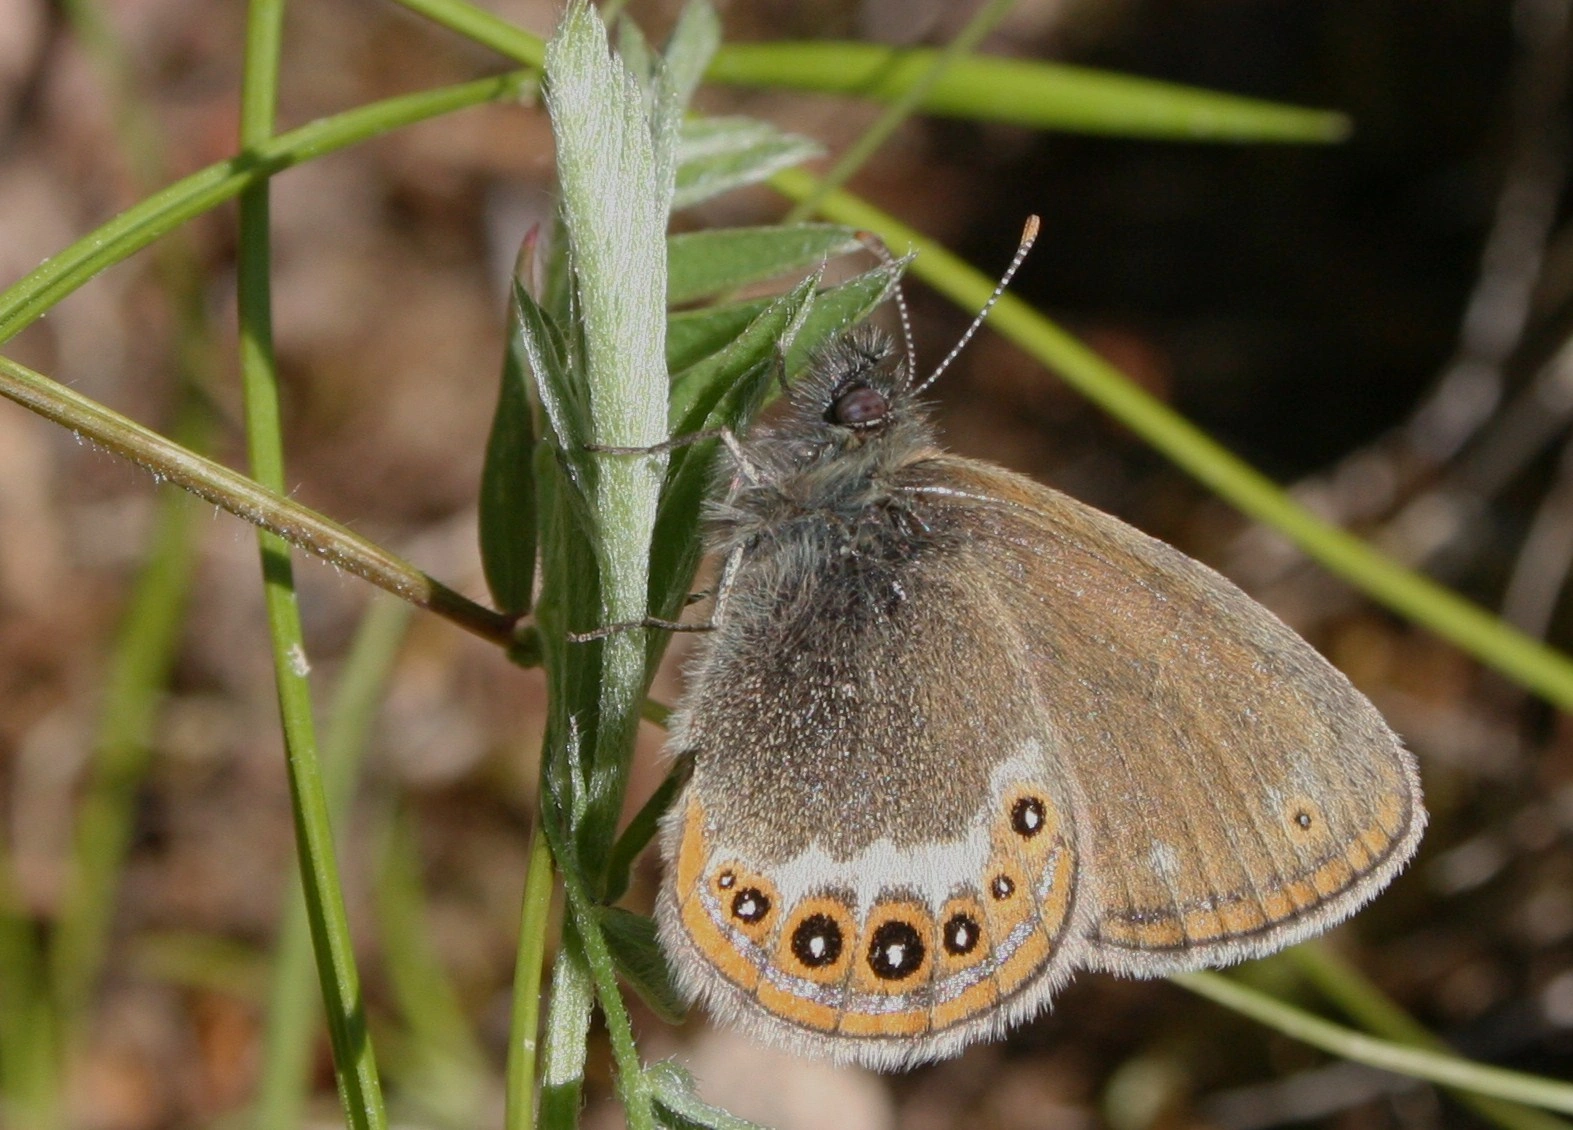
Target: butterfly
(956, 735)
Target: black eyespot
(1027, 817)
(1002, 887)
(750, 905)
(817, 941)
(726, 880)
(1303, 819)
(859, 407)
(896, 951)
(961, 935)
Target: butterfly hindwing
(860, 863)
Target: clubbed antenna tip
(1029, 233)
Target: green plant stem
(614, 161)
(480, 26)
(1526, 661)
(1419, 1063)
(526, 1020)
(353, 1059)
(248, 500)
(614, 209)
(1368, 1006)
(632, 1088)
(293, 1007)
(28, 299)
(902, 105)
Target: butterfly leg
(746, 470)
(724, 434)
(717, 616)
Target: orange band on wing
(1239, 915)
(901, 971)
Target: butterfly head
(860, 382)
(857, 394)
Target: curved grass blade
(25, 301)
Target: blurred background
(1381, 323)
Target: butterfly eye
(859, 407)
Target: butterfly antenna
(882, 252)
(1028, 234)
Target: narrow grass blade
(1419, 1063)
(480, 26)
(354, 1061)
(1373, 1010)
(1040, 95)
(294, 1007)
(524, 1028)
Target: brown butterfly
(956, 735)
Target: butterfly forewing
(1231, 790)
